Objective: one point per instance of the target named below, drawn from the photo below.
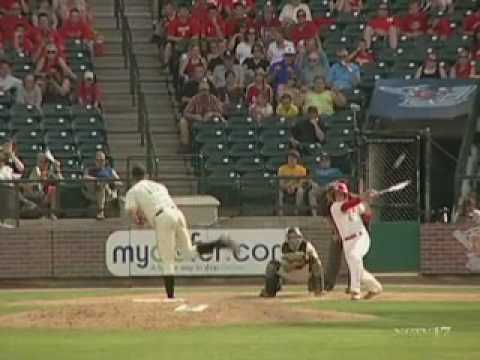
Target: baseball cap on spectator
(88, 75)
(290, 50)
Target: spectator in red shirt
(304, 29)
(45, 34)
(441, 26)
(362, 55)
(267, 23)
(228, 5)
(21, 43)
(415, 23)
(200, 10)
(431, 68)
(259, 85)
(464, 68)
(7, 5)
(76, 28)
(475, 48)
(45, 7)
(50, 60)
(12, 20)
(169, 13)
(179, 32)
(472, 22)
(214, 26)
(384, 26)
(88, 92)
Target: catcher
(298, 255)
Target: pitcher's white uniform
(356, 243)
(169, 223)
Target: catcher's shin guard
(272, 280)
(316, 280)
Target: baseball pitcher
(298, 255)
(347, 212)
(150, 201)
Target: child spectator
(30, 93)
(88, 92)
(261, 109)
(260, 85)
(286, 108)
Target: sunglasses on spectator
(301, 15)
(51, 52)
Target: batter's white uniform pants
(172, 235)
(355, 249)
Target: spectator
(74, 27)
(13, 19)
(255, 62)
(289, 13)
(190, 88)
(7, 81)
(13, 161)
(278, 46)
(202, 107)
(464, 68)
(229, 64)
(64, 8)
(260, 85)
(475, 47)
(213, 27)
(30, 93)
(292, 178)
(168, 14)
(231, 94)
(51, 60)
(237, 20)
(441, 25)
(179, 31)
(46, 34)
(292, 88)
(304, 29)
(43, 189)
(244, 48)
(261, 109)
(431, 68)
(313, 64)
(21, 43)
(344, 75)
(267, 23)
(105, 188)
(469, 204)
(323, 99)
(440, 6)
(190, 60)
(472, 22)
(415, 23)
(46, 9)
(58, 89)
(383, 26)
(215, 54)
(8, 5)
(88, 92)
(7, 190)
(280, 72)
(348, 6)
(322, 175)
(287, 108)
(361, 55)
(309, 130)
(228, 6)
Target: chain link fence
(385, 162)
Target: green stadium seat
(4, 135)
(311, 148)
(246, 135)
(214, 148)
(59, 136)
(4, 111)
(243, 150)
(274, 162)
(277, 123)
(90, 136)
(219, 162)
(199, 126)
(249, 164)
(30, 149)
(222, 184)
(63, 150)
(6, 98)
(270, 149)
(29, 135)
(236, 111)
(84, 111)
(240, 123)
(88, 123)
(210, 135)
(57, 123)
(275, 135)
(258, 188)
(56, 110)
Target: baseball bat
(397, 187)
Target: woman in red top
(52, 59)
(21, 43)
(190, 60)
(258, 86)
(349, 6)
(44, 35)
(76, 28)
(475, 48)
(464, 68)
(88, 92)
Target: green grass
(375, 339)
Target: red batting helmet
(341, 187)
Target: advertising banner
(134, 253)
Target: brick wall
(440, 252)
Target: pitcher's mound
(150, 312)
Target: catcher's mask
(293, 233)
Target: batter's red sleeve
(350, 203)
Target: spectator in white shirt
(277, 47)
(288, 15)
(7, 81)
